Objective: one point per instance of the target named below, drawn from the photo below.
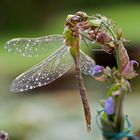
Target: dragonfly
(67, 54)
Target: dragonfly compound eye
(82, 15)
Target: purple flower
(98, 68)
(129, 72)
(97, 72)
(109, 106)
(133, 62)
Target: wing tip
(7, 45)
(14, 89)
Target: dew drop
(9, 50)
(48, 78)
(39, 84)
(89, 71)
(60, 74)
(8, 43)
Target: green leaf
(104, 116)
(95, 22)
(114, 88)
(107, 126)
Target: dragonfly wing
(44, 73)
(34, 46)
(86, 63)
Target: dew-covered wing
(34, 46)
(86, 63)
(44, 73)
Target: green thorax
(72, 36)
(69, 38)
(72, 41)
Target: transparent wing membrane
(44, 73)
(34, 46)
(51, 68)
(86, 63)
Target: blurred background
(55, 112)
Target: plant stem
(116, 50)
(119, 121)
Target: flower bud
(104, 38)
(119, 33)
(129, 72)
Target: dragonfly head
(77, 18)
(82, 15)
